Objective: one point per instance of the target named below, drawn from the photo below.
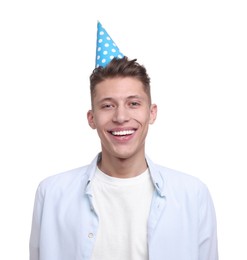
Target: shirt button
(90, 235)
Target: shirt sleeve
(36, 225)
(208, 245)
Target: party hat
(106, 48)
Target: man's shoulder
(179, 179)
(65, 179)
(174, 173)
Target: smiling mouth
(122, 133)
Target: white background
(196, 55)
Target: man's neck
(122, 167)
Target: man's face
(121, 114)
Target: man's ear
(90, 119)
(153, 113)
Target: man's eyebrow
(105, 99)
(134, 96)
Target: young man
(122, 206)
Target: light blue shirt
(181, 224)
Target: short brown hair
(120, 68)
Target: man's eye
(134, 104)
(107, 106)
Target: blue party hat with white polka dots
(106, 48)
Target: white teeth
(127, 132)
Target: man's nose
(121, 115)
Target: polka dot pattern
(106, 49)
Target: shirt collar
(157, 177)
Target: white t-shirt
(122, 205)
